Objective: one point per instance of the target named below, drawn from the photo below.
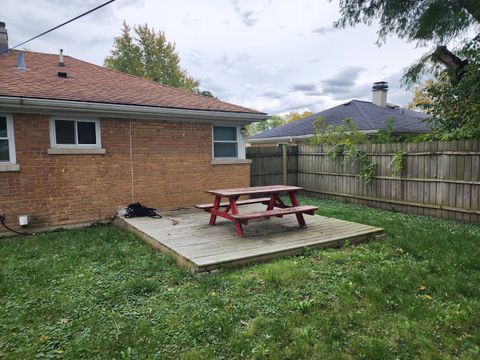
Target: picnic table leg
(271, 203)
(233, 207)
(216, 205)
(295, 202)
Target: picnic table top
(254, 190)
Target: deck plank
(252, 253)
(187, 236)
(257, 244)
(254, 235)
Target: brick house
(77, 141)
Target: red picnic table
(275, 205)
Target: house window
(7, 142)
(225, 142)
(75, 133)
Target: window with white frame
(75, 133)
(225, 142)
(7, 142)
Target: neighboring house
(368, 116)
(78, 141)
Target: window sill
(9, 167)
(76, 151)
(230, 161)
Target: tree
(455, 108)
(261, 126)
(420, 97)
(149, 55)
(422, 22)
(296, 115)
(347, 133)
(276, 121)
(454, 91)
(206, 93)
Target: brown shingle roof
(92, 83)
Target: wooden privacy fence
(439, 179)
(270, 165)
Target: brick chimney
(379, 95)
(3, 38)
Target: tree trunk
(452, 61)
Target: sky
(271, 55)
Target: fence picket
(438, 179)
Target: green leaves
(434, 23)
(344, 140)
(455, 108)
(331, 135)
(368, 171)
(385, 136)
(276, 121)
(397, 163)
(262, 126)
(419, 21)
(149, 55)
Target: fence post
(441, 179)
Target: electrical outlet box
(24, 220)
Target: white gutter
(291, 139)
(281, 139)
(35, 105)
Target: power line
(58, 26)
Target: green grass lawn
(102, 293)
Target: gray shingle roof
(365, 114)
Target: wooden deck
(187, 236)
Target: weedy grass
(102, 293)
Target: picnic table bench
(275, 206)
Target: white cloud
(322, 30)
(304, 87)
(248, 16)
(256, 53)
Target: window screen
(75, 132)
(225, 150)
(3, 127)
(86, 133)
(65, 132)
(225, 144)
(224, 133)
(4, 150)
(4, 145)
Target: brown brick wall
(171, 168)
